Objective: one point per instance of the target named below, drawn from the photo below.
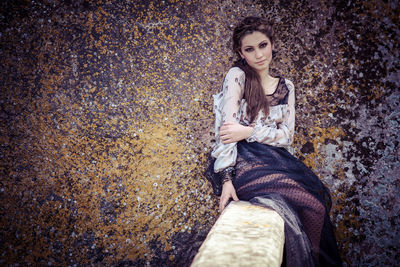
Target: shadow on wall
(106, 123)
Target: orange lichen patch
(126, 173)
(315, 159)
(142, 175)
(342, 232)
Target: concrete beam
(244, 235)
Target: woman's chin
(260, 67)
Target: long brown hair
(253, 90)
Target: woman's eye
(248, 49)
(263, 45)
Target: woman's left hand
(234, 132)
(228, 192)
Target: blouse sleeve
(277, 132)
(227, 109)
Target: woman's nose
(258, 53)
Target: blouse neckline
(276, 88)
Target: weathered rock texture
(106, 123)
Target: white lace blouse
(276, 129)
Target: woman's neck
(268, 82)
(265, 76)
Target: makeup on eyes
(261, 45)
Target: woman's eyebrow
(250, 46)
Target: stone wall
(106, 123)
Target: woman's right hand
(228, 192)
(234, 132)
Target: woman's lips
(260, 62)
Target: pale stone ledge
(244, 235)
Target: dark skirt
(271, 177)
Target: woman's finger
(226, 140)
(222, 203)
(224, 128)
(234, 196)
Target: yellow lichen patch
(315, 159)
(149, 161)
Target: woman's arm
(227, 110)
(234, 132)
(227, 113)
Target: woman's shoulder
(235, 72)
(289, 84)
(235, 75)
(283, 90)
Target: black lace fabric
(270, 176)
(281, 94)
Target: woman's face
(257, 49)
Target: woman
(255, 118)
